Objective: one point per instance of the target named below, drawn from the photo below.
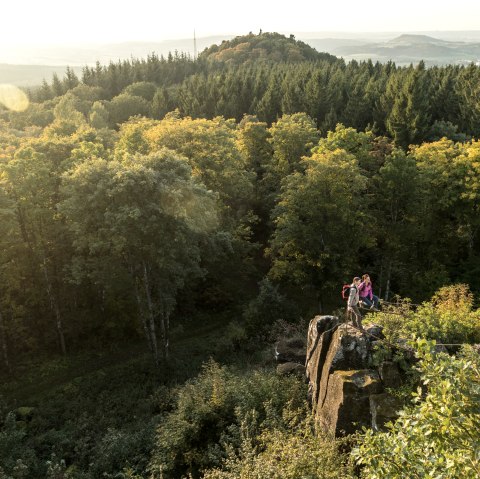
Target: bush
(119, 448)
(448, 318)
(208, 415)
(15, 455)
(437, 437)
(286, 453)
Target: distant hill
(406, 49)
(263, 47)
(29, 65)
(31, 75)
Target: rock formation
(290, 353)
(346, 390)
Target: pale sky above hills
(57, 22)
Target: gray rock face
(345, 392)
(290, 350)
(291, 368)
(383, 407)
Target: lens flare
(12, 98)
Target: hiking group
(360, 292)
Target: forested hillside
(269, 75)
(154, 197)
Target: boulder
(290, 350)
(332, 347)
(346, 405)
(390, 374)
(291, 368)
(375, 332)
(344, 390)
(383, 408)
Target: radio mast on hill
(194, 46)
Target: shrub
(15, 456)
(448, 318)
(286, 453)
(208, 414)
(119, 448)
(437, 437)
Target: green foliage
(67, 117)
(154, 256)
(292, 138)
(209, 414)
(262, 47)
(15, 455)
(98, 116)
(267, 308)
(124, 106)
(409, 119)
(145, 90)
(96, 412)
(317, 217)
(358, 143)
(119, 447)
(439, 435)
(108, 235)
(449, 318)
(285, 453)
(445, 129)
(270, 75)
(210, 147)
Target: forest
(164, 220)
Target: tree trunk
(51, 297)
(151, 315)
(167, 337)
(387, 287)
(320, 303)
(3, 336)
(165, 327)
(141, 310)
(380, 280)
(55, 308)
(142, 316)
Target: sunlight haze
(93, 21)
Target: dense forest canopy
(149, 181)
(250, 182)
(269, 75)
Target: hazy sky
(94, 21)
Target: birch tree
(143, 218)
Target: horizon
(52, 55)
(47, 24)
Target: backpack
(346, 291)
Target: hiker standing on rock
(352, 303)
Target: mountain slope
(413, 48)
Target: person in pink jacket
(365, 291)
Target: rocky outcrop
(290, 350)
(291, 368)
(345, 389)
(290, 354)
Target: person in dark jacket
(352, 304)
